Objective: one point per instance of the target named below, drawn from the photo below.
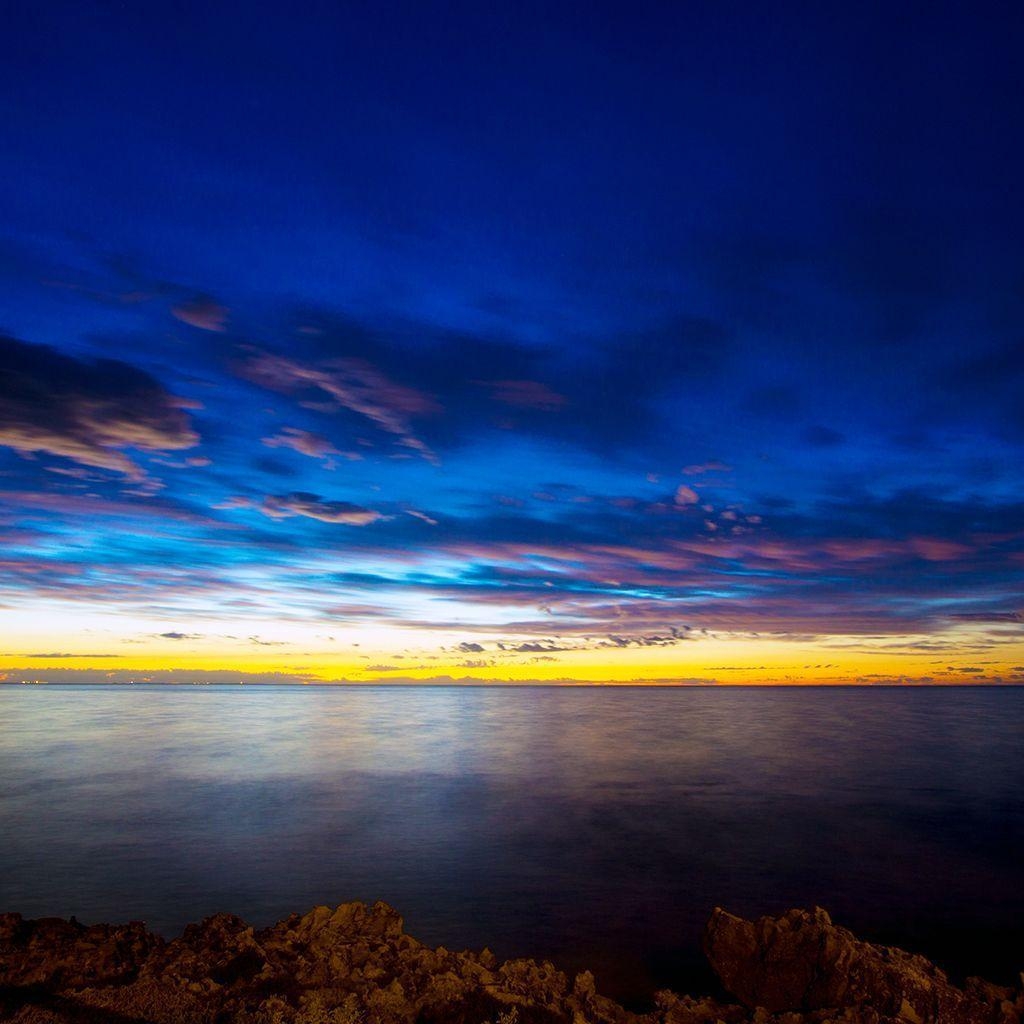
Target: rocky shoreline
(354, 964)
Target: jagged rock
(801, 961)
(354, 964)
(55, 953)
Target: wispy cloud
(354, 384)
(312, 506)
(302, 441)
(525, 394)
(202, 312)
(89, 412)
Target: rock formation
(801, 961)
(355, 965)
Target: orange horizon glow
(299, 652)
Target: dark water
(596, 827)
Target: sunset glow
(394, 373)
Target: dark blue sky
(576, 329)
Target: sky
(512, 342)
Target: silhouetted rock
(354, 964)
(55, 953)
(801, 961)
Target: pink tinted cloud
(302, 441)
(86, 412)
(311, 506)
(525, 394)
(235, 501)
(936, 549)
(416, 514)
(202, 312)
(686, 495)
(91, 505)
(931, 549)
(353, 384)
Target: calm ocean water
(596, 827)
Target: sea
(593, 827)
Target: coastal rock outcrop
(354, 964)
(52, 953)
(801, 961)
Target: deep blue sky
(572, 328)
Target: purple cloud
(86, 412)
(525, 394)
(312, 506)
(302, 441)
(202, 312)
(352, 384)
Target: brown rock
(56, 953)
(802, 961)
(353, 964)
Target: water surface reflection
(597, 827)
